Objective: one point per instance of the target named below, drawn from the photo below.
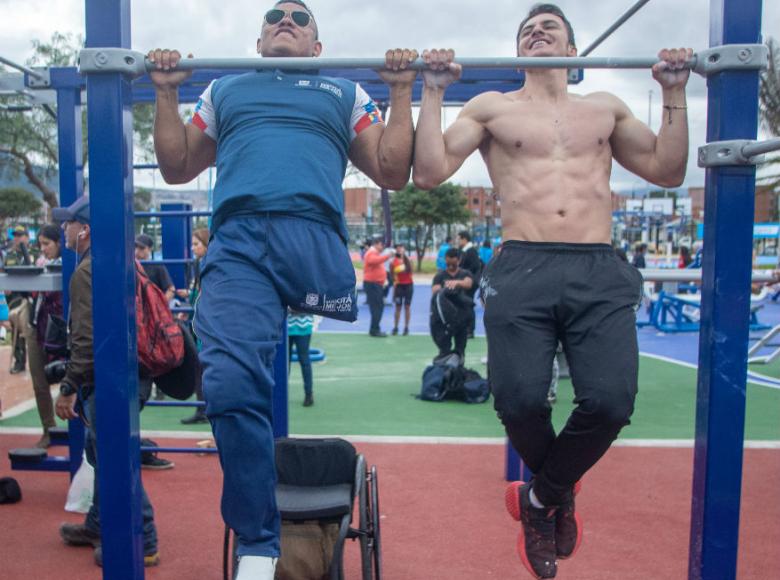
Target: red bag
(160, 339)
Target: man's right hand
(441, 71)
(166, 76)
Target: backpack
(160, 338)
(447, 378)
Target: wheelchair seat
(320, 480)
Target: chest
(278, 100)
(571, 129)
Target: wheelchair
(320, 480)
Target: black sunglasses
(300, 17)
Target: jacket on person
(81, 365)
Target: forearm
(671, 150)
(430, 158)
(170, 136)
(395, 146)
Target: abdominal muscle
(559, 200)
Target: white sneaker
(256, 568)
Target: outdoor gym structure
(732, 68)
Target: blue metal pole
(280, 396)
(723, 342)
(113, 275)
(515, 468)
(176, 236)
(67, 82)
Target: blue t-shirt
(283, 140)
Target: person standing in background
(374, 279)
(299, 328)
(403, 287)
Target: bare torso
(550, 165)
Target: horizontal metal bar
(22, 68)
(179, 449)
(172, 261)
(709, 61)
(165, 214)
(693, 275)
(761, 147)
(617, 24)
(175, 404)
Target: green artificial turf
(367, 387)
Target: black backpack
(447, 378)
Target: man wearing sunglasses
(281, 140)
(549, 153)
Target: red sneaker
(536, 542)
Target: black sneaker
(149, 559)
(79, 535)
(308, 400)
(378, 334)
(406, 331)
(395, 331)
(195, 419)
(536, 542)
(568, 527)
(156, 463)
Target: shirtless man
(549, 154)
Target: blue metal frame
(176, 236)
(725, 304)
(113, 275)
(723, 342)
(67, 83)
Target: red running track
(442, 517)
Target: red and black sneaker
(536, 542)
(568, 527)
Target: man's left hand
(397, 71)
(672, 70)
(65, 407)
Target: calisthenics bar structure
(732, 67)
(707, 62)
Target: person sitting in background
(44, 304)
(200, 244)
(299, 328)
(451, 322)
(403, 287)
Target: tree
(769, 110)
(28, 139)
(422, 210)
(16, 202)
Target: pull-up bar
(135, 64)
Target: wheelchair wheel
(375, 536)
(364, 536)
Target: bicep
(201, 150)
(461, 139)
(364, 151)
(633, 143)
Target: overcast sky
(366, 29)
